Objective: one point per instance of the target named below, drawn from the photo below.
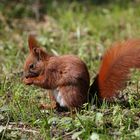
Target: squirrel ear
(32, 42)
(35, 49)
(39, 53)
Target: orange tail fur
(115, 68)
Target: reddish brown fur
(115, 67)
(67, 72)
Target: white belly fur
(58, 96)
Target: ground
(85, 29)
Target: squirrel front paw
(28, 81)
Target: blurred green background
(85, 28)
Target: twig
(10, 127)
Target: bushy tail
(115, 68)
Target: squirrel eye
(31, 66)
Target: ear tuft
(32, 42)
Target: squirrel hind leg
(53, 103)
(73, 96)
(50, 106)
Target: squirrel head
(34, 64)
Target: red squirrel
(68, 77)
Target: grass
(81, 28)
